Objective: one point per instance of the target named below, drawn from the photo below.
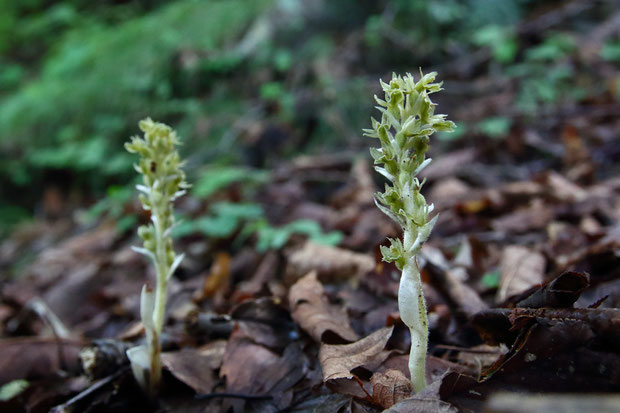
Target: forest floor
(521, 281)
(282, 303)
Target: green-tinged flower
(407, 121)
(163, 181)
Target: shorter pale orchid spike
(163, 181)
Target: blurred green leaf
(113, 206)
(554, 47)
(611, 51)
(224, 220)
(10, 216)
(12, 389)
(214, 179)
(491, 279)
(10, 75)
(495, 127)
(83, 155)
(501, 40)
(126, 223)
(238, 210)
(275, 237)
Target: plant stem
(412, 309)
(161, 268)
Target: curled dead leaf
(339, 361)
(390, 387)
(316, 316)
(561, 292)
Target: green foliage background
(76, 76)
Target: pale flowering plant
(163, 181)
(408, 120)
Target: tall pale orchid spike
(407, 122)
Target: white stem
(412, 309)
(161, 267)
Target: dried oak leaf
(252, 369)
(390, 387)
(340, 360)
(330, 263)
(428, 400)
(316, 316)
(521, 269)
(196, 367)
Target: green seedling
(407, 122)
(163, 182)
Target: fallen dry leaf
(390, 387)
(55, 262)
(561, 292)
(339, 360)
(324, 403)
(447, 192)
(449, 164)
(264, 272)
(544, 341)
(266, 322)
(194, 367)
(252, 369)
(419, 405)
(330, 263)
(43, 396)
(452, 282)
(70, 297)
(521, 268)
(534, 217)
(480, 357)
(217, 278)
(36, 357)
(563, 190)
(316, 316)
(428, 400)
(360, 189)
(520, 191)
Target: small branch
(70, 405)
